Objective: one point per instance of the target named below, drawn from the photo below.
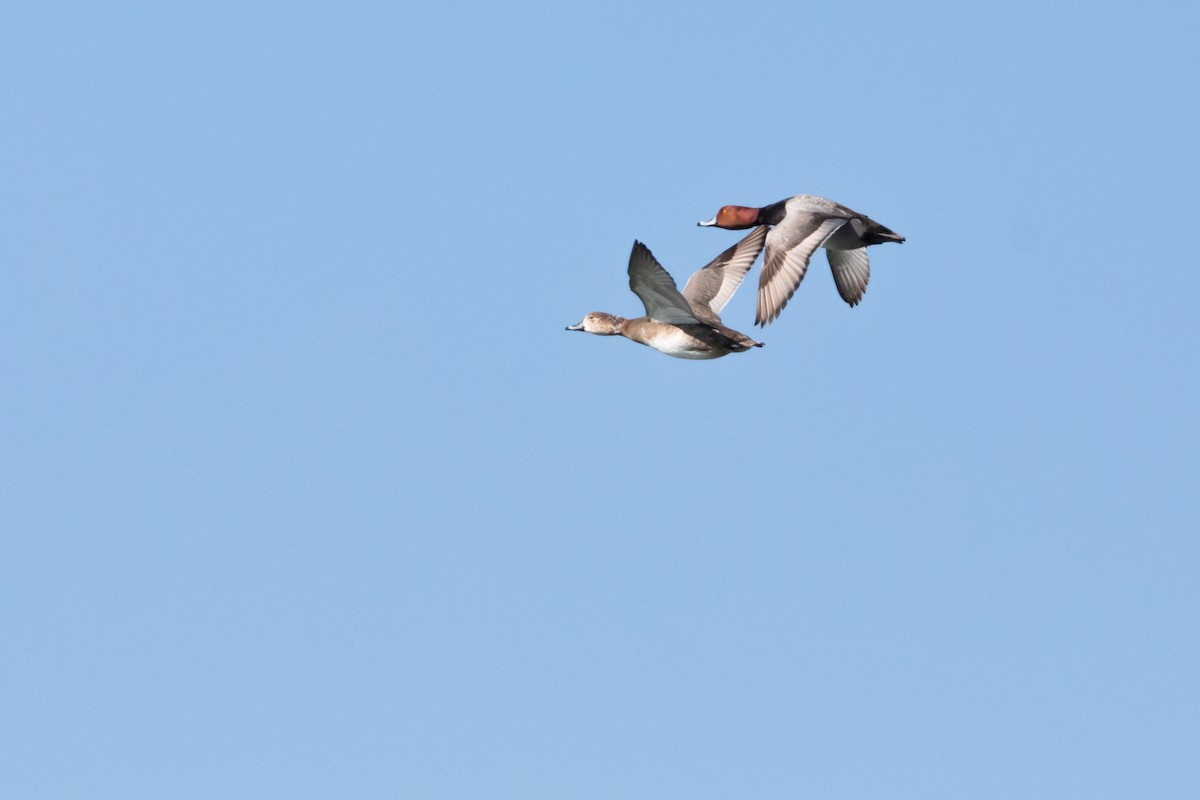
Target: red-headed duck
(683, 324)
(801, 224)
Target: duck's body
(683, 324)
(799, 225)
(681, 340)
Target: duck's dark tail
(742, 342)
(879, 234)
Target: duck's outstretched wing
(851, 272)
(790, 245)
(710, 287)
(657, 290)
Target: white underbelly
(680, 345)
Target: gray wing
(711, 286)
(851, 271)
(657, 290)
(789, 246)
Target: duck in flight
(800, 225)
(683, 324)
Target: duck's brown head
(733, 217)
(599, 323)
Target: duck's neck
(772, 214)
(618, 325)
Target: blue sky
(307, 493)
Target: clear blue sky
(306, 492)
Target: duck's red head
(733, 217)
